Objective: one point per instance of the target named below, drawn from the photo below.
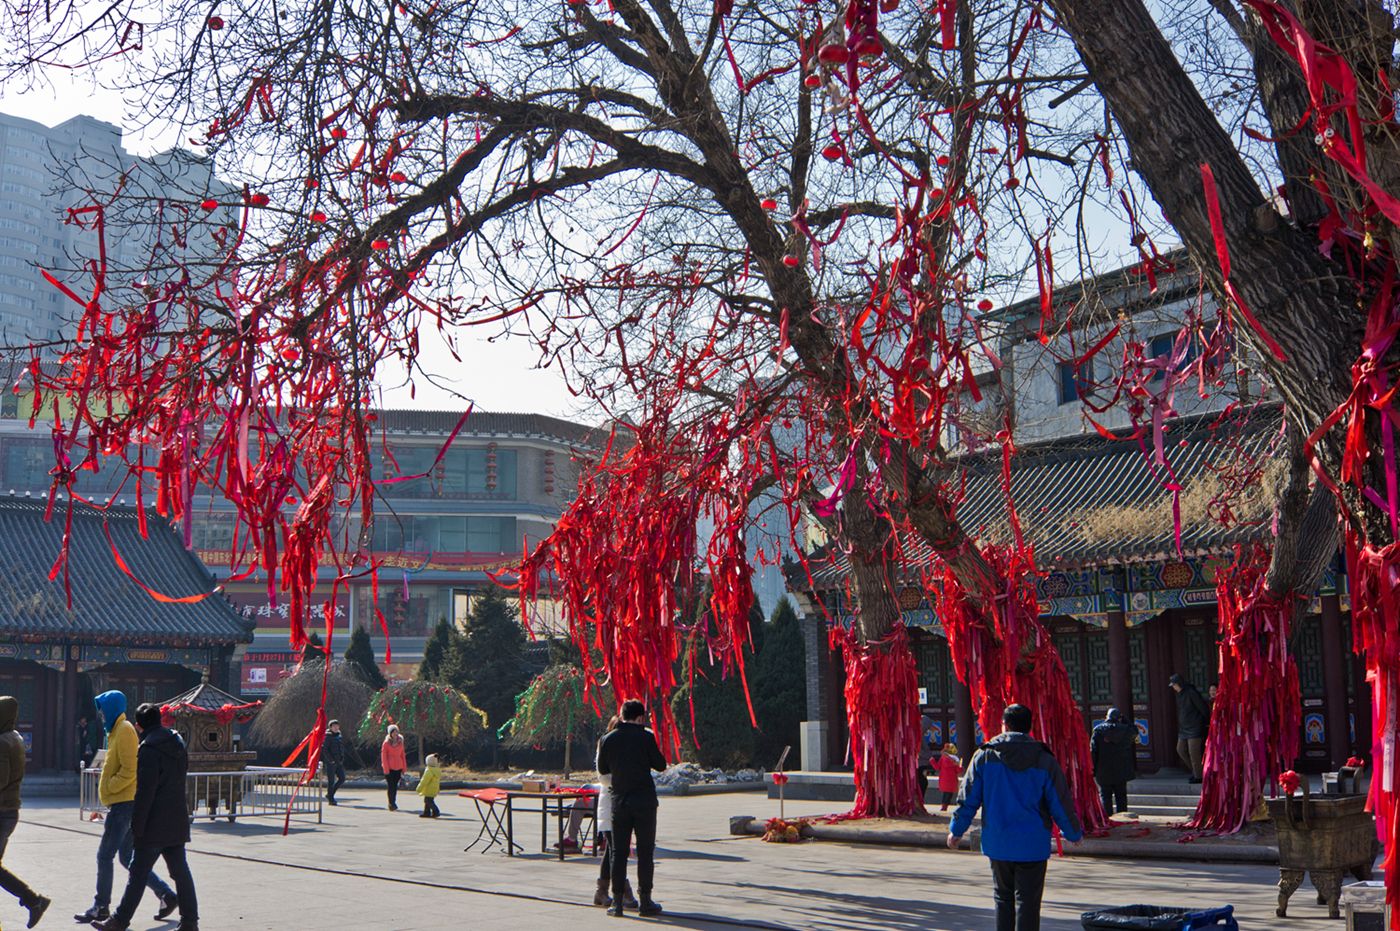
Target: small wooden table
(551, 803)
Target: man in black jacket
(160, 821)
(1113, 748)
(629, 754)
(1192, 719)
(333, 759)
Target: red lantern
(318, 217)
(379, 245)
(398, 177)
(259, 199)
(215, 23)
(209, 203)
(791, 261)
(769, 204)
(833, 152)
(339, 133)
(812, 80)
(834, 54)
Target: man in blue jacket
(1020, 788)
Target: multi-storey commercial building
(436, 540)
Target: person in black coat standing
(628, 755)
(333, 760)
(160, 822)
(1192, 719)
(1113, 748)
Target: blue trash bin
(1158, 918)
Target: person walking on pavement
(1019, 786)
(429, 786)
(949, 773)
(116, 790)
(628, 755)
(1192, 719)
(1113, 750)
(393, 761)
(11, 775)
(160, 822)
(333, 760)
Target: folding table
(493, 820)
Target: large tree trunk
(1276, 267)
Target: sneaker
(426, 814)
(167, 908)
(37, 909)
(330, 801)
(648, 908)
(615, 909)
(96, 913)
(111, 924)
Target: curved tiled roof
(1087, 500)
(488, 423)
(107, 606)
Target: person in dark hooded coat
(1113, 749)
(160, 821)
(11, 775)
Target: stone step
(49, 785)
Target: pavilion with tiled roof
(57, 651)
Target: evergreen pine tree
(777, 677)
(488, 663)
(722, 734)
(436, 652)
(313, 651)
(360, 654)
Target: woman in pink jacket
(391, 760)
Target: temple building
(97, 625)
(1127, 604)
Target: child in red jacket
(949, 769)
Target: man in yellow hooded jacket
(116, 790)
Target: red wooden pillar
(965, 718)
(68, 713)
(1334, 680)
(1120, 681)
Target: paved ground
(367, 868)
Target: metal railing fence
(258, 791)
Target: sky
(498, 376)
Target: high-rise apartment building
(45, 172)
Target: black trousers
(1114, 793)
(11, 883)
(430, 807)
(391, 779)
(1016, 889)
(141, 863)
(630, 820)
(335, 778)
(605, 868)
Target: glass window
(1073, 384)
(491, 535)
(27, 466)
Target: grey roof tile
(107, 606)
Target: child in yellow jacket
(428, 786)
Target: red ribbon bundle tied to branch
(1003, 654)
(881, 680)
(1254, 723)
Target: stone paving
(367, 868)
